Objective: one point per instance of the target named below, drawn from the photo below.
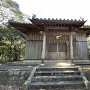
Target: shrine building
(54, 39)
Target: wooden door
(57, 50)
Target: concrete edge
(25, 85)
(46, 61)
(87, 83)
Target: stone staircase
(57, 78)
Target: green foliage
(88, 43)
(12, 41)
(10, 9)
(12, 44)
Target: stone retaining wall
(13, 77)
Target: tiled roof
(23, 27)
(38, 24)
(57, 22)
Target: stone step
(58, 89)
(57, 86)
(57, 69)
(57, 78)
(56, 73)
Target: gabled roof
(57, 22)
(86, 29)
(38, 24)
(23, 27)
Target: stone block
(88, 85)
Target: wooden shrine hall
(53, 39)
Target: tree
(12, 41)
(88, 43)
(12, 44)
(9, 9)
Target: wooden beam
(58, 33)
(55, 27)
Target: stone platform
(63, 76)
(77, 62)
(14, 74)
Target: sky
(64, 9)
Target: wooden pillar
(71, 47)
(44, 47)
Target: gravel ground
(16, 67)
